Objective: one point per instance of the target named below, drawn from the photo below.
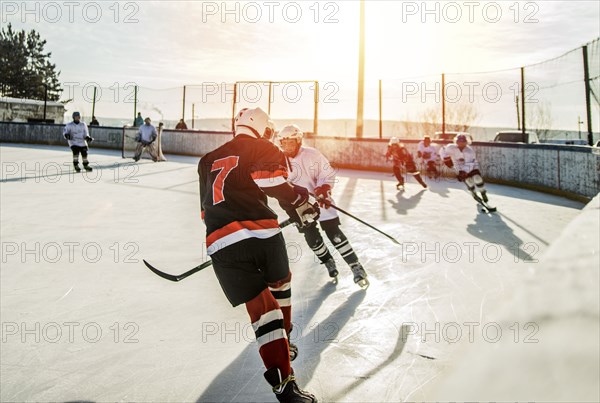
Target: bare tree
(540, 119)
(460, 117)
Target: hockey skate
(77, 169)
(360, 275)
(87, 168)
(286, 390)
(400, 187)
(332, 269)
(486, 207)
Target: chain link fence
(556, 99)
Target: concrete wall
(51, 134)
(192, 142)
(563, 169)
(567, 170)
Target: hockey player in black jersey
(244, 239)
(400, 156)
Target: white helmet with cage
(290, 132)
(253, 122)
(462, 138)
(394, 140)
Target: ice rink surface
(83, 319)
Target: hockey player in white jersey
(77, 135)
(461, 157)
(428, 153)
(308, 168)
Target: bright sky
(165, 44)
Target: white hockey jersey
(310, 169)
(464, 160)
(428, 153)
(78, 131)
(147, 133)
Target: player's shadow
(398, 348)
(493, 230)
(439, 186)
(243, 377)
(403, 204)
(325, 332)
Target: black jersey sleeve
(202, 175)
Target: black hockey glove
(88, 138)
(302, 212)
(462, 175)
(68, 136)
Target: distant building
(24, 110)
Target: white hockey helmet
(290, 132)
(270, 131)
(253, 122)
(394, 140)
(461, 138)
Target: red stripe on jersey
(268, 174)
(202, 214)
(240, 225)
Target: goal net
(129, 144)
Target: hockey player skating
(461, 157)
(400, 156)
(77, 135)
(146, 138)
(245, 242)
(428, 153)
(310, 169)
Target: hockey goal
(129, 144)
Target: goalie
(146, 138)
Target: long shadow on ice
(242, 380)
(403, 333)
(493, 230)
(403, 204)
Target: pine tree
(25, 69)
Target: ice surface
(163, 341)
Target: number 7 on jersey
(224, 166)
